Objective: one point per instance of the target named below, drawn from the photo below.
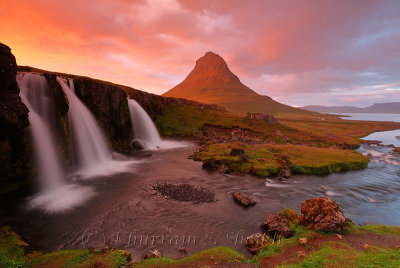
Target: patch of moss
(380, 229)
(11, 248)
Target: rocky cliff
(14, 145)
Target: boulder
(152, 254)
(213, 164)
(322, 213)
(138, 145)
(256, 242)
(243, 199)
(277, 225)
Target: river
(127, 214)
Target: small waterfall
(90, 145)
(55, 194)
(144, 130)
(35, 95)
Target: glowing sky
(333, 52)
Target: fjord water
(54, 193)
(128, 214)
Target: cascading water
(35, 94)
(144, 130)
(90, 147)
(55, 194)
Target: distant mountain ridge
(212, 82)
(379, 108)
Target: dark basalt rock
(243, 199)
(15, 164)
(322, 213)
(109, 105)
(213, 164)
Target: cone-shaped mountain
(212, 82)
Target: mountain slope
(212, 82)
(382, 108)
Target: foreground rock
(152, 254)
(256, 242)
(243, 199)
(322, 213)
(277, 225)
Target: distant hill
(212, 82)
(379, 108)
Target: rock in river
(243, 199)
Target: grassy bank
(322, 250)
(263, 159)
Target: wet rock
(223, 168)
(322, 213)
(256, 242)
(243, 199)
(213, 164)
(138, 145)
(236, 152)
(277, 225)
(397, 150)
(152, 254)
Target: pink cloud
(288, 50)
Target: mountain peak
(210, 69)
(212, 82)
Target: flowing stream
(126, 213)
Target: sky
(331, 52)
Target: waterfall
(144, 130)
(55, 194)
(35, 95)
(90, 145)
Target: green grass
(219, 254)
(304, 159)
(11, 248)
(337, 254)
